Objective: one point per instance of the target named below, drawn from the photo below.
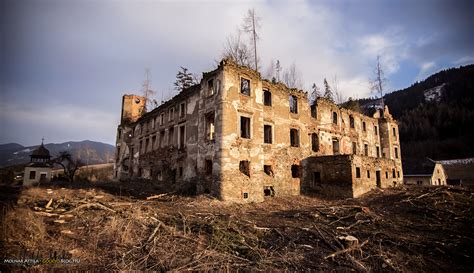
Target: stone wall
(261, 136)
(348, 176)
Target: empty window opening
(314, 110)
(393, 173)
(364, 128)
(366, 149)
(294, 138)
(378, 151)
(244, 127)
(173, 176)
(42, 177)
(208, 167)
(147, 143)
(396, 152)
(246, 195)
(394, 183)
(268, 191)
(244, 167)
(378, 180)
(314, 142)
(245, 86)
(419, 183)
(293, 104)
(295, 171)
(267, 134)
(32, 174)
(162, 118)
(210, 87)
(162, 136)
(368, 174)
(394, 132)
(354, 148)
(386, 175)
(398, 174)
(351, 121)
(268, 170)
(182, 135)
(152, 124)
(334, 117)
(267, 98)
(376, 130)
(316, 179)
(335, 146)
(357, 172)
(217, 86)
(182, 109)
(210, 129)
(171, 136)
(171, 114)
(153, 142)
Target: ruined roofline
(185, 93)
(352, 112)
(279, 85)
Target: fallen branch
(158, 196)
(49, 203)
(349, 249)
(47, 214)
(92, 205)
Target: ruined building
(242, 138)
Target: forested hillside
(436, 116)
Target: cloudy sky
(64, 65)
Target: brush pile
(416, 229)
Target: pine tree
(327, 91)
(184, 79)
(315, 93)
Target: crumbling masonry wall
(242, 138)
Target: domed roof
(41, 151)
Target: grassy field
(107, 226)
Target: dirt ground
(115, 227)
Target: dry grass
(397, 230)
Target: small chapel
(40, 166)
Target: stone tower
(133, 107)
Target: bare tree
(236, 50)
(147, 92)
(278, 69)
(339, 98)
(292, 77)
(69, 164)
(250, 26)
(378, 83)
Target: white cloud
(57, 123)
(426, 69)
(464, 60)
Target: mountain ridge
(90, 152)
(435, 116)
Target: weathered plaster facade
(242, 138)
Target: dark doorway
(316, 179)
(377, 177)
